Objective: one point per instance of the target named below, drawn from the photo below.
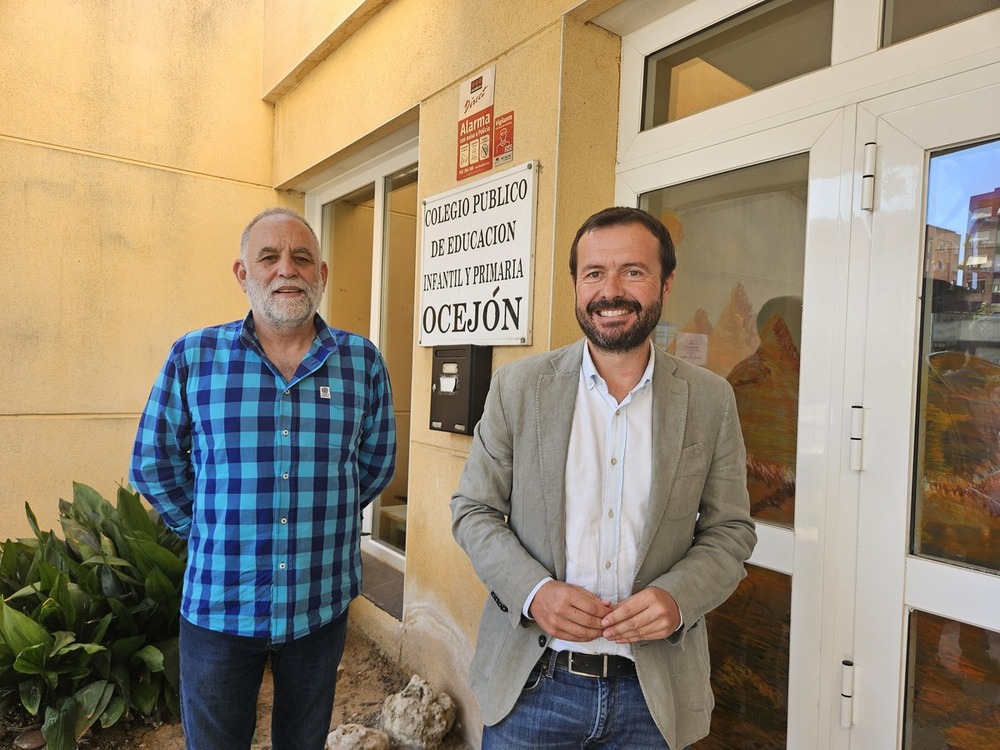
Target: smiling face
(282, 273)
(619, 292)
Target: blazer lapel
(555, 401)
(670, 408)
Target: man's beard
(622, 339)
(283, 312)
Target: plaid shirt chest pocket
(336, 418)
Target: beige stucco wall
(299, 35)
(133, 148)
(560, 78)
(409, 51)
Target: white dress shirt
(608, 472)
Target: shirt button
(607, 566)
(618, 412)
(614, 461)
(287, 391)
(285, 475)
(611, 514)
(281, 566)
(284, 521)
(284, 432)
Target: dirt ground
(366, 679)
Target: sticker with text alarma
(475, 124)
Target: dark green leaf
(31, 694)
(133, 515)
(171, 661)
(89, 501)
(110, 560)
(151, 556)
(126, 623)
(151, 656)
(51, 615)
(100, 629)
(93, 699)
(145, 692)
(61, 639)
(32, 660)
(32, 521)
(111, 585)
(68, 596)
(84, 541)
(161, 590)
(76, 604)
(124, 648)
(19, 631)
(32, 590)
(83, 649)
(59, 726)
(123, 680)
(114, 711)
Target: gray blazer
(508, 515)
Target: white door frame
(824, 490)
(905, 126)
(373, 167)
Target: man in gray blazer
(604, 505)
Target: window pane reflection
(953, 680)
(761, 47)
(347, 240)
(904, 19)
(748, 640)
(396, 342)
(348, 237)
(736, 306)
(957, 492)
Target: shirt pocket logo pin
(324, 391)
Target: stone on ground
(357, 737)
(418, 718)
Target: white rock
(357, 737)
(418, 718)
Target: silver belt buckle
(569, 666)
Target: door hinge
(857, 436)
(868, 178)
(847, 693)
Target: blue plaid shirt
(266, 477)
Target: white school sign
(477, 258)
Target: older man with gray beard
(262, 441)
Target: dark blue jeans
(221, 676)
(558, 710)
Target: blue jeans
(558, 710)
(221, 676)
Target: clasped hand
(571, 613)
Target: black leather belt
(592, 665)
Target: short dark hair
(620, 215)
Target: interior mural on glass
(736, 306)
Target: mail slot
(460, 379)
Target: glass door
(367, 222)
(927, 634)
(759, 258)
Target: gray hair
(273, 211)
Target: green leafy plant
(88, 623)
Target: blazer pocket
(692, 471)
(693, 461)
